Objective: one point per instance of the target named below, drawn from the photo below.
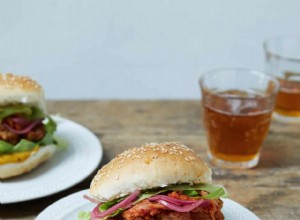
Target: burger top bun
(21, 89)
(149, 166)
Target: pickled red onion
(96, 214)
(171, 199)
(91, 199)
(184, 208)
(23, 122)
(24, 130)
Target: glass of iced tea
(283, 62)
(237, 108)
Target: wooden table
(271, 190)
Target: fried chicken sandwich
(26, 131)
(163, 181)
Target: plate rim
(66, 185)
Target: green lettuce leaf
(50, 125)
(215, 191)
(47, 139)
(116, 213)
(29, 112)
(5, 147)
(107, 205)
(36, 113)
(83, 215)
(61, 142)
(22, 146)
(218, 193)
(11, 110)
(149, 193)
(190, 193)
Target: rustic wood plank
(271, 190)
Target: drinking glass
(283, 61)
(237, 106)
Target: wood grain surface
(271, 190)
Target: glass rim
(251, 71)
(276, 54)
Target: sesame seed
(164, 151)
(191, 158)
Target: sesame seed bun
(20, 89)
(15, 169)
(149, 166)
(16, 90)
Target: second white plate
(65, 169)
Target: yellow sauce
(17, 157)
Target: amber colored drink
(236, 124)
(288, 98)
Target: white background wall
(136, 49)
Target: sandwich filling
(23, 130)
(181, 201)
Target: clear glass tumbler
(237, 108)
(283, 62)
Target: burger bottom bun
(16, 169)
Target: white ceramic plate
(67, 208)
(66, 168)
